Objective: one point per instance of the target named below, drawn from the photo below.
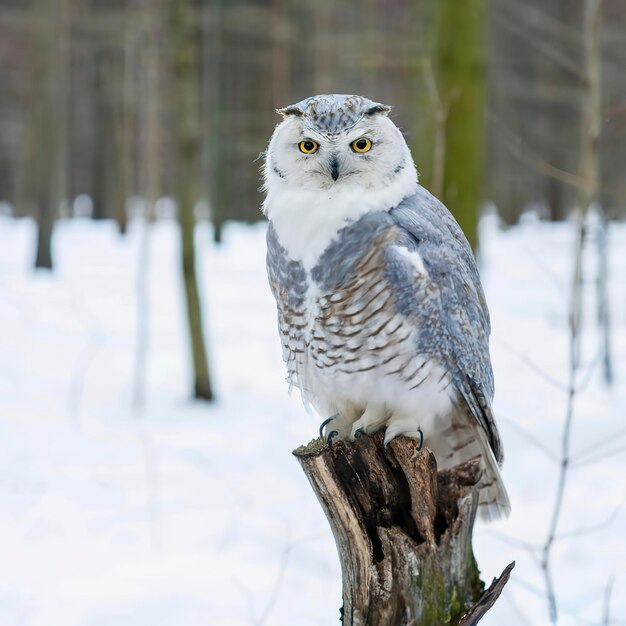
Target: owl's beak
(334, 168)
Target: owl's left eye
(361, 145)
(308, 146)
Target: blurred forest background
(151, 116)
(108, 105)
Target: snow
(185, 513)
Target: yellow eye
(361, 145)
(308, 146)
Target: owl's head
(335, 142)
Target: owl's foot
(395, 430)
(372, 420)
(325, 423)
(331, 435)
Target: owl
(381, 313)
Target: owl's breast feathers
(394, 288)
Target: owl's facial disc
(320, 147)
(307, 156)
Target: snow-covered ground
(188, 514)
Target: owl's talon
(323, 425)
(358, 433)
(331, 435)
(419, 430)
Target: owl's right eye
(308, 146)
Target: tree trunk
(46, 152)
(45, 224)
(461, 79)
(219, 151)
(403, 532)
(186, 117)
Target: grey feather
(334, 113)
(448, 309)
(452, 314)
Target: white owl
(381, 313)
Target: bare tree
(185, 111)
(460, 59)
(149, 135)
(45, 154)
(587, 193)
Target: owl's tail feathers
(493, 500)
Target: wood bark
(403, 532)
(460, 61)
(45, 152)
(186, 114)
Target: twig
(565, 445)
(533, 366)
(520, 614)
(546, 270)
(522, 150)
(585, 377)
(606, 609)
(524, 584)
(543, 45)
(602, 297)
(601, 456)
(282, 568)
(532, 550)
(534, 440)
(441, 110)
(586, 530)
(598, 446)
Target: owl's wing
(288, 284)
(448, 307)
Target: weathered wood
(403, 531)
(488, 599)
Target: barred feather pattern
(390, 330)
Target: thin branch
(575, 180)
(602, 296)
(548, 51)
(532, 365)
(598, 445)
(546, 269)
(586, 530)
(527, 586)
(585, 377)
(530, 437)
(534, 160)
(520, 614)
(537, 19)
(533, 550)
(601, 456)
(441, 110)
(574, 321)
(282, 568)
(606, 609)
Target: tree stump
(403, 532)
